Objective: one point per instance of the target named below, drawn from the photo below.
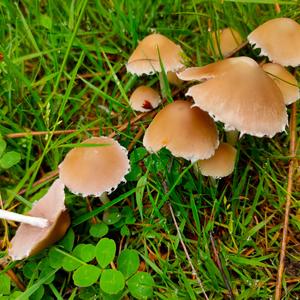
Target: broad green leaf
(128, 262)
(38, 294)
(4, 284)
(70, 264)
(140, 285)
(30, 269)
(86, 252)
(125, 231)
(98, 230)
(68, 241)
(112, 282)
(9, 159)
(105, 252)
(86, 275)
(55, 258)
(111, 216)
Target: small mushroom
(286, 82)
(29, 239)
(240, 94)
(225, 41)
(187, 132)
(144, 99)
(221, 164)
(145, 59)
(97, 166)
(279, 40)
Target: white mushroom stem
(104, 198)
(34, 221)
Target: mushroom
(144, 99)
(155, 47)
(187, 132)
(221, 164)
(97, 166)
(286, 82)
(29, 239)
(240, 94)
(225, 41)
(279, 40)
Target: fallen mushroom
(155, 47)
(187, 132)
(97, 166)
(225, 41)
(240, 94)
(221, 164)
(286, 82)
(29, 239)
(279, 40)
(144, 99)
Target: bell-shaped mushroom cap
(286, 82)
(145, 58)
(226, 41)
(144, 98)
(97, 166)
(240, 94)
(29, 240)
(279, 40)
(221, 164)
(187, 132)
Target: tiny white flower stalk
(34, 221)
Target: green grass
(63, 67)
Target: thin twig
(186, 252)
(241, 46)
(220, 267)
(38, 133)
(135, 139)
(292, 164)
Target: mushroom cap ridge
(240, 94)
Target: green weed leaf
(141, 285)
(128, 262)
(86, 275)
(105, 252)
(112, 282)
(98, 230)
(9, 159)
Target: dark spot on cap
(147, 105)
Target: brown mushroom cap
(187, 132)
(144, 99)
(240, 94)
(145, 58)
(221, 164)
(279, 40)
(93, 170)
(29, 240)
(226, 40)
(286, 82)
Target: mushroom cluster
(245, 96)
